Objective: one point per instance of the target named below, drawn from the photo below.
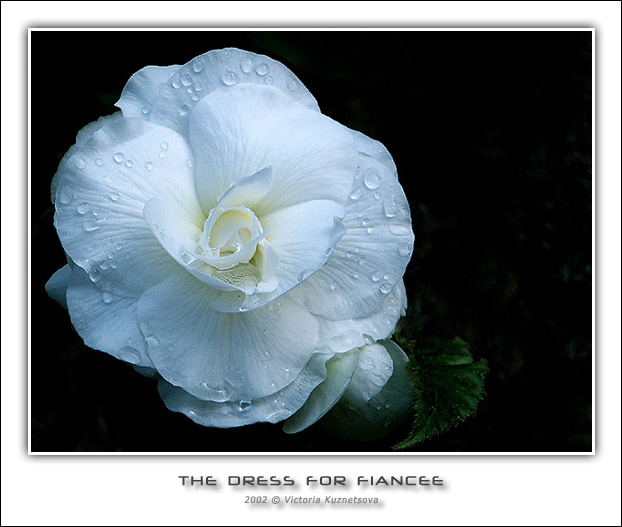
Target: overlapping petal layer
(227, 238)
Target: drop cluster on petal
(226, 238)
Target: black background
(491, 134)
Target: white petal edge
(56, 286)
(354, 419)
(142, 89)
(340, 371)
(271, 409)
(101, 196)
(222, 68)
(106, 322)
(82, 137)
(222, 356)
(372, 255)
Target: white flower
(225, 236)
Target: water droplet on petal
(65, 196)
(184, 109)
(269, 80)
(229, 78)
(145, 110)
(83, 208)
(195, 97)
(118, 157)
(107, 298)
(292, 84)
(164, 145)
(186, 78)
(386, 288)
(114, 196)
(399, 230)
(197, 66)
(91, 224)
(246, 65)
(149, 165)
(355, 194)
(129, 163)
(245, 405)
(99, 161)
(262, 69)
(375, 276)
(371, 179)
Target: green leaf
(448, 387)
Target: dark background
(491, 134)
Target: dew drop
(184, 110)
(245, 405)
(99, 161)
(229, 78)
(262, 69)
(106, 297)
(189, 163)
(83, 208)
(65, 196)
(118, 157)
(197, 66)
(371, 179)
(90, 225)
(355, 194)
(399, 230)
(164, 145)
(195, 97)
(292, 84)
(355, 275)
(149, 166)
(198, 86)
(129, 163)
(246, 65)
(386, 288)
(145, 110)
(114, 196)
(375, 276)
(80, 163)
(333, 287)
(186, 78)
(269, 80)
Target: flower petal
(101, 196)
(271, 409)
(356, 419)
(372, 255)
(83, 136)
(338, 336)
(224, 356)
(373, 370)
(142, 89)
(56, 286)
(326, 395)
(238, 131)
(218, 68)
(105, 321)
(372, 148)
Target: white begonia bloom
(227, 238)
